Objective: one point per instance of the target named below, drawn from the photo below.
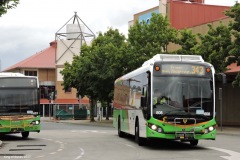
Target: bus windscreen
(17, 82)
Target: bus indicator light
(157, 68)
(208, 70)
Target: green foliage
(234, 56)
(146, 40)
(236, 83)
(188, 42)
(94, 71)
(7, 4)
(234, 13)
(215, 46)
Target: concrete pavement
(225, 130)
(103, 122)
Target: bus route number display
(185, 69)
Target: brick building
(42, 65)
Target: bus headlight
(155, 128)
(35, 122)
(209, 129)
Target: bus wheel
(138, 139)
(25, 134)
(120, 133)
(194, 142)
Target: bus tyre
(138, 139)
(120, 133)
(194, 142)
(25, 134)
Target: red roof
(187, 15)
(43, 59)
(233, 68)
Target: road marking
(88, 131)
(40, 156)
(130, 145)
(60, 143)
(233, 155)
(81, 154)
(59, 150)
(47, 139)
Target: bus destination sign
(185, 69)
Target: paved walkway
(234, 131)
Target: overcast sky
(31, 26)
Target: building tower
(69, 38)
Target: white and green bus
(19, 104)
(187, 110)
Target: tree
(94, 71)
(7, 4)
(108, 52)
(146, 40)
(215, 46)
(188, 42)
(234, 56)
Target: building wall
(66, 49)
(61, 94)
(230, 105)
(186, 15)
(145, 15)
(202, 29)
(46, 75)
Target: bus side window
(144, 98)
(144, 101)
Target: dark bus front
(19, 96)
(19, 105)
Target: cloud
(30, 27)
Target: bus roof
(174, 57)
(161, 57)
(11, 74)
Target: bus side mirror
(221, 77)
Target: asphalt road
(64, 141)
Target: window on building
(45, 91)
(68, 90)
(30, 73)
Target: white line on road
(47, 139)
(130, 145)
(81, 154)
(40, 156)
(233, 155)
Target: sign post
(220, 99)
